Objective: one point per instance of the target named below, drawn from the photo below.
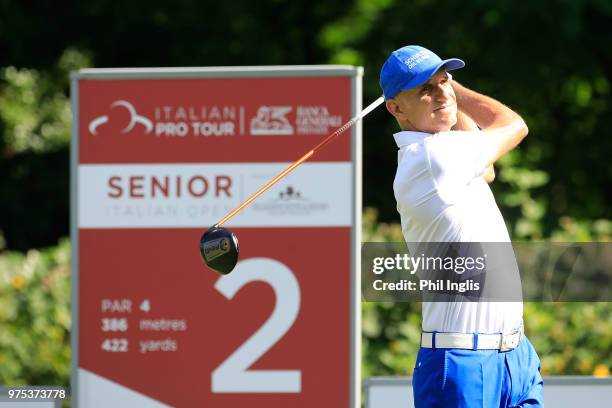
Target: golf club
(219, 246)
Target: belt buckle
(507, 341)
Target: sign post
(158, 156)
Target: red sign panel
(158, 158)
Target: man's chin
(439, 128)
(443, 125)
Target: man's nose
(441, 92)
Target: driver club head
(219, 249)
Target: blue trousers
(455, 378)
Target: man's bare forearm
(504, 128)
(485, 111)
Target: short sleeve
(456, 158)
(459, 152)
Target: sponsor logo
(289, 194)
(309, 120)
(316, 120)
(135, 119)
(271, 120)
(290, 202)
(178, 121)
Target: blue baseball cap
(411, 66)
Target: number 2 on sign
(232, 375)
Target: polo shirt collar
(406, 137)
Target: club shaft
(302, 159)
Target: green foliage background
(549, 60)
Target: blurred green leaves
(35, 318)
(341, 36)
(571, 338)
(521, 182)
(34, 106)
(35, 122)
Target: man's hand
(504, 129)
(489, 174)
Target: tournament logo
(135, 119)
(178, 121)
(290, 202)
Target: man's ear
(393, 108)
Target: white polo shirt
(442, 197)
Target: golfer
(473, 354)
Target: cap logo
(416, 59)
